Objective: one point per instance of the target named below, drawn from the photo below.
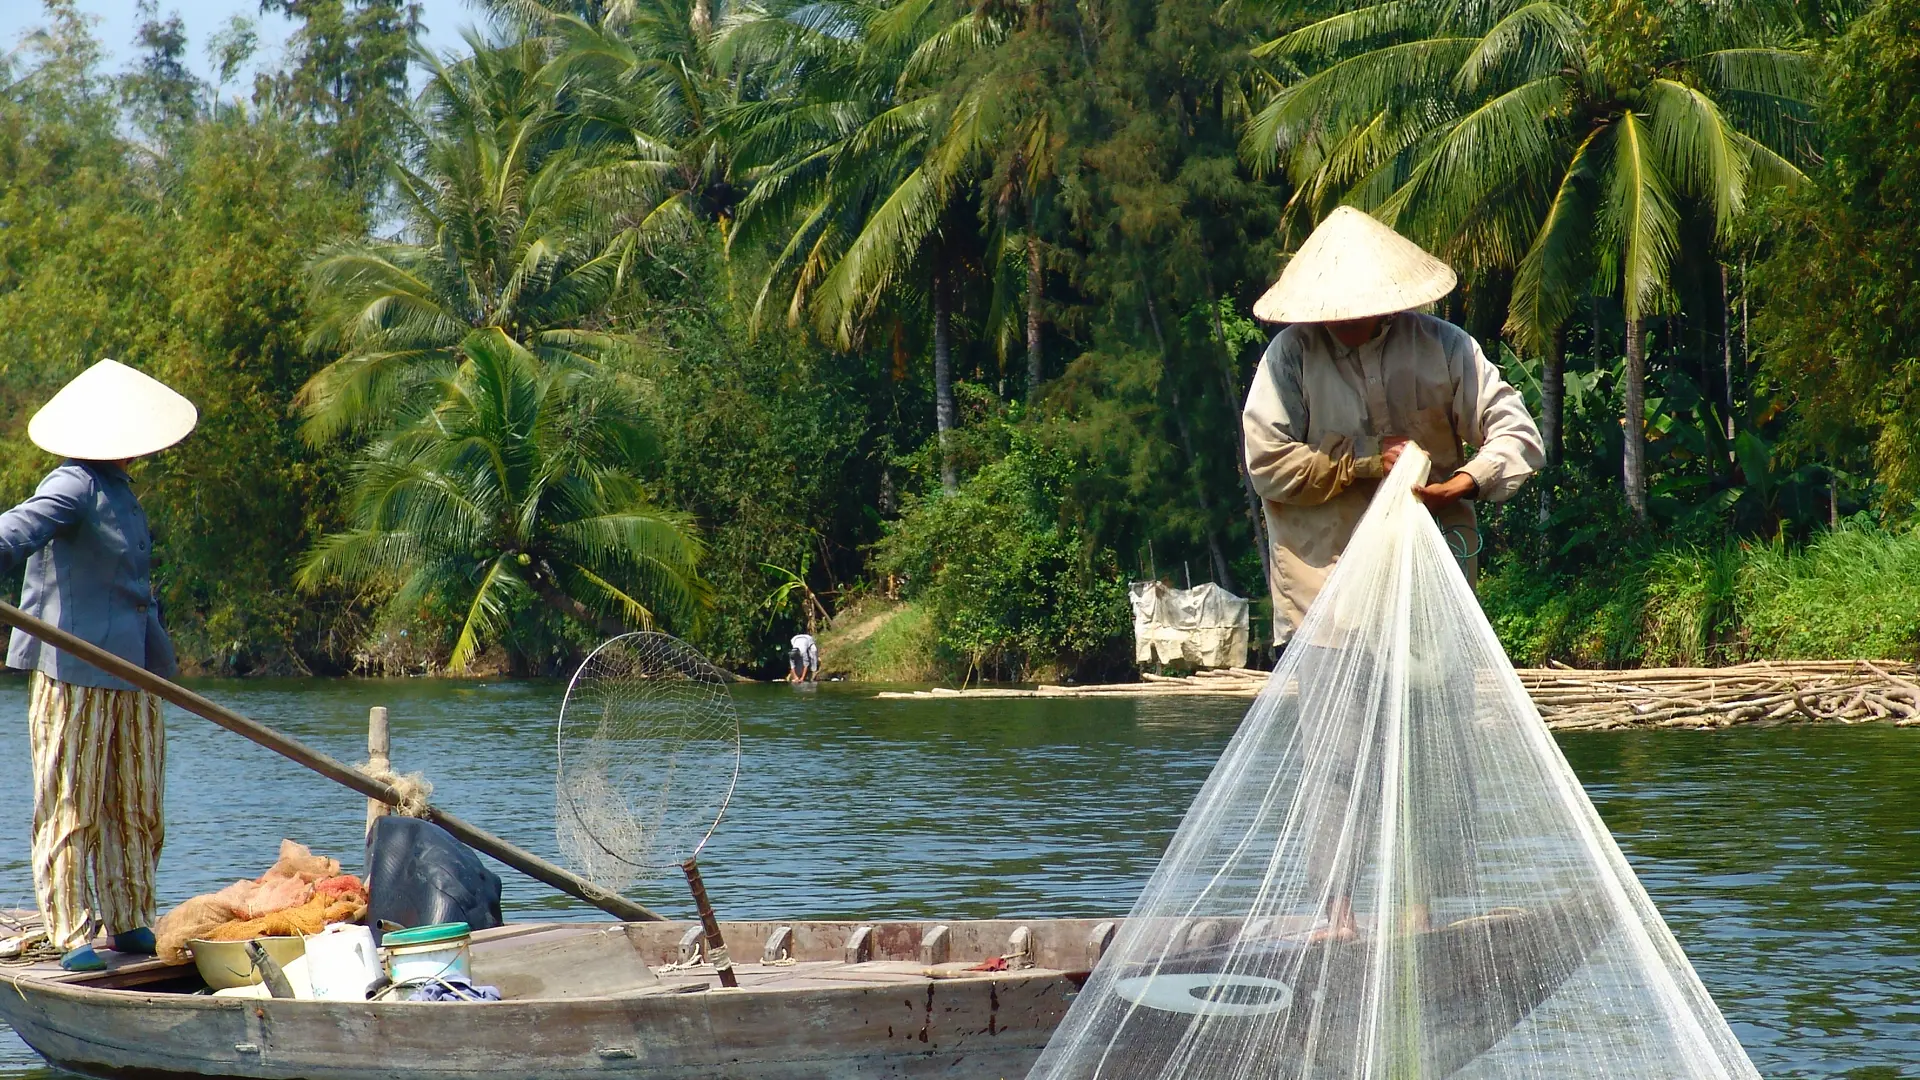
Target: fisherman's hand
(1390, 452)
(1451, 490)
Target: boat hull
(987, 1028)
(859, 1020)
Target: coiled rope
(413, 789)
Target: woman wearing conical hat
(1356, 376)
(99, 752)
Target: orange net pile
(301, 894)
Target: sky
(115, 21)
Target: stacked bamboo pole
(1801, 691)
(1569, 699)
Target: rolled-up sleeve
(60, 503)
(1283, 467)
(1496, 420)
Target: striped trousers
(99, 772)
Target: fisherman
(1354, 378)
(98, 746)
(803, 659)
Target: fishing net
(1393, 873)
(648, 753)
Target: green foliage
(759, 276)
(769, 446)
(1012, 585)
(348, 77)
(238, 219)
(519, 486)
(509, 226)
(1834, 598)
(187, 264)
(1555, 150)
(878, 640)
(160, 93)
(1843, 281)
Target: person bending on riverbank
(1354, 378)
(98, 747)
(803, 659)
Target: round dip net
(648, 753)
(1392, 873)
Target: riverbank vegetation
(732, 318)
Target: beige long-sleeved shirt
(1315, 417)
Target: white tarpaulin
(1205, 626)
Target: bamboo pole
(379, 758)
(333, 769)
(1846, 691)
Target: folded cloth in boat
(453, 988)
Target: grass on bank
(881, 641)
(1850, 592)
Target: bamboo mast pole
(332, 768)
(379, 758)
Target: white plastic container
(428, 952)
(342, 963)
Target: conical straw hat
(111, 412)
(1353, 267)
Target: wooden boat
(823, 1001)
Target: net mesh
(648, 753)
(1393, 873)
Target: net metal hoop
(686, 664)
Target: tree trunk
(1746, 349)
(1553, 405)
(1726, 357)
(1635, 428)
(1220, 572)
(607, 625)
(1036, 370)
(1256, 507)
(702, 20)
(943, 406)
(1594, 344)
(1553, 399)
(1219, 555)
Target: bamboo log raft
(1570, 699)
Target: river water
(1784, 860)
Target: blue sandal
(83, 959)
(135, 941)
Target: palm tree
(518, 485)
(653, 74)
(1006, 131)
(848, 182)
(1566, 143)
(513, 221)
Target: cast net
(648, 753)
(1393, 873)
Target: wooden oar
(333, 769)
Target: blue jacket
(88, 554)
